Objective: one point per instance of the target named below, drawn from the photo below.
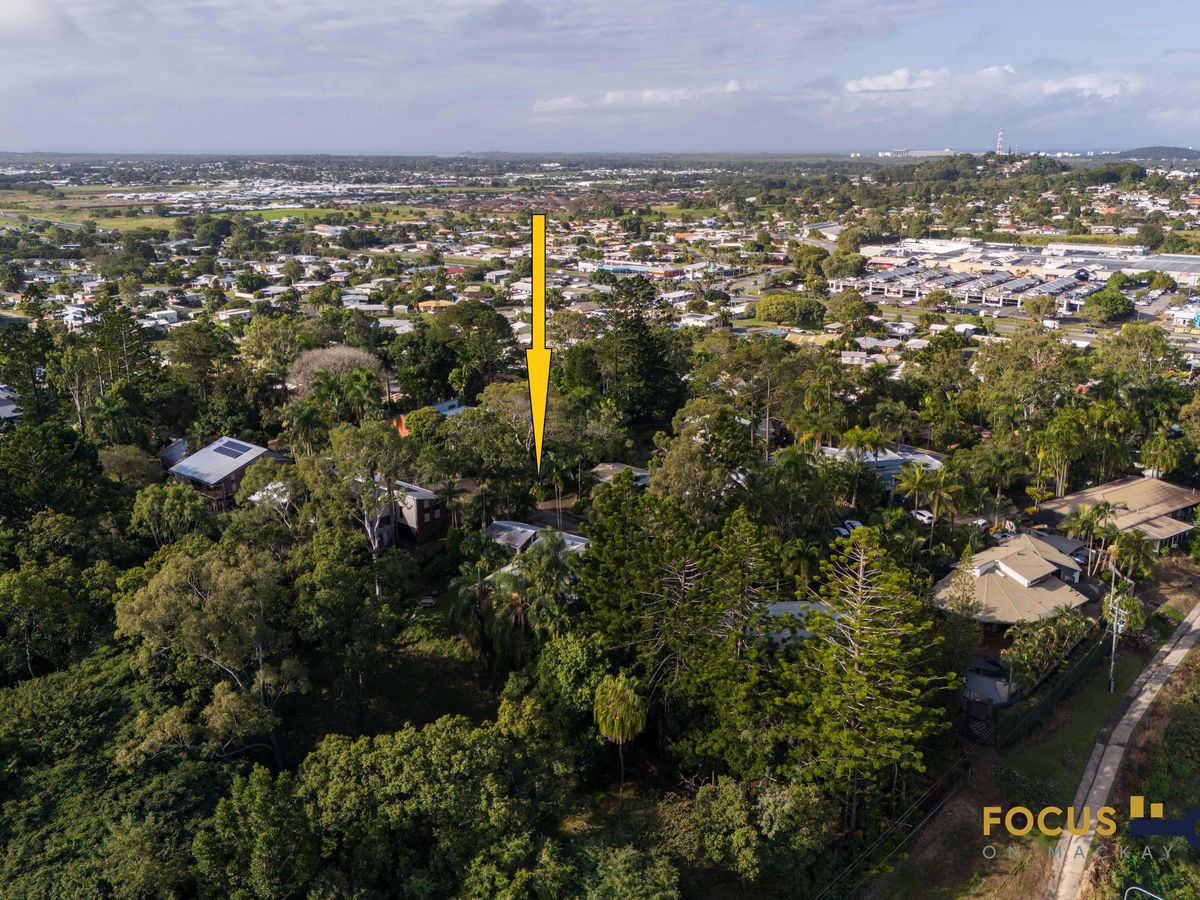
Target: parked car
(924, 516)
(427, 602)
(841, 532)
(852, 524)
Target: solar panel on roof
(226, 451)
(234, 445)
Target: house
(1164, 512)
(1024, 579)
(216, 470)
(604, 473)
(451, 407)
(10, 410)
(421, 514)
(887, 461)
(520, 536)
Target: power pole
(1117, 616)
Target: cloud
(36, 20)
(1101, 85)
(559, 104)
(400, 76)
(901, 79)
(618, 102)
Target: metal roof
(218, 460)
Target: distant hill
(1160, 153)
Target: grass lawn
(1055, 756)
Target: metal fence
(1021, 719)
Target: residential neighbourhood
(532, 451)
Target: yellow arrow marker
(537, 357)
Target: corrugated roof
(218, 460)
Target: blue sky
(601, 75)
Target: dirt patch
(1175, 584)
(946, 860)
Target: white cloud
(35, 19)
(1103, 86)
(617, 102)
(901, 79)
(559, 104)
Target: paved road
(1106, 757)
(17, 217)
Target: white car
(924, 516)
(427, 602)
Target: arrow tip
(538, 362)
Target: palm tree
(449, 492)
(914, 481)
(326, 390)
(858, 442)
(473, 603)
(1105, 530)
(303, 425)
(555, 470)
(945, 496)
(511, 631)
(620, 713)
(1133, 552)
(360, 390)
(1082, 524)
(1161, 454)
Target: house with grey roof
(216, 470)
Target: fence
(1019, 721)
(871, 861)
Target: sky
(450, 76)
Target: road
(20, 217)
(1102, 767)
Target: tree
(422, 363)
(1106, 306)
(43, 612)
(1038, 645)
(1150, 235)
(47, 466)
(869, 706)
(1040, 307)
(131, 466)
(167, 513)
(620, 713)
(367, 462)
(626, 873)
(259, 842)
(211, 613)
(1161, 454)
